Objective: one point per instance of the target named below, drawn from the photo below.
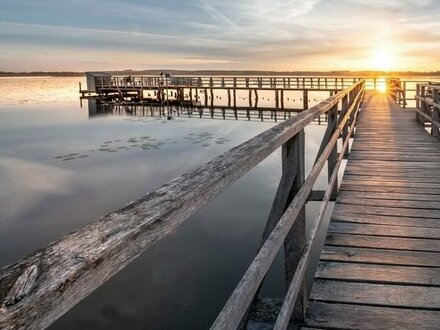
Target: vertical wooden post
(197, 95)
(191, 96)
(256, 98)
(277, 100)
(404, 94)
(345, 107)
(296, 239)
(206, 97)
(250, 98)
(435, 112)
(212, 97)
(229, 97)
(282, 99)
(293, 176)
(418, 94)
(332, 122)
(420, 118)
(305, 99)
(235, 97)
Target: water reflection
(49, 189)
(149, 112)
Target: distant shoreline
(232, 72)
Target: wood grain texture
(371, 273)
(355, 317)
(390, 295)
(380, 266)
(378, 242)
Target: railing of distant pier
(38, 289)
(428, 107)
(217, 82)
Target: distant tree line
(230, 73)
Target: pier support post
(229, 97)
(256, 99)
(305, 99)
(235, 97)
(277, 100)
(206, 97)
(212, 98)
(282, 99)
(250, 98)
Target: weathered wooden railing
(218, 82)
(38, 289)
(428, 107)
(397, 92)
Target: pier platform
(380, 266)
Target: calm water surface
(60, 168)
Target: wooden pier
(203, 91)
(380, 266)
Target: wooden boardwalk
(380, 266)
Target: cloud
(26, 183)
(221, 34)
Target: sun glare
(382, 60)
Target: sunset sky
(220, 34)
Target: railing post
(293, 177)
(333, 158)
(435, 112)
(404, 93)
(420, 118)
(345, 107)
(295, 241)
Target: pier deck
(380, 266)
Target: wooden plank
(379, 242)
(380, 256)
(393, 173)
(357, 272)
(386, 179)
(384, 230)
(386, 189)
(394, 157)
(388, 196)
(386, 164)
(394, 183)
(429, 205)
(376, 294)
(355, 317)
(345, 216)
(417, 213)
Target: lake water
(63, 165)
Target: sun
(382, 60)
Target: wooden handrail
(38, 289)
(284, 316)
(237, 305)
(428, 107)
